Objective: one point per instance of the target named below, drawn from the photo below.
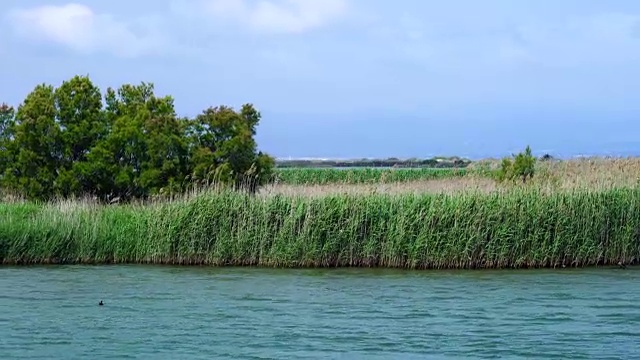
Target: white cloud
(603, 39)
(278, 16)
(79, 28)
(606, 38)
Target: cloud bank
(79, 28)
(277, 17)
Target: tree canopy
(126, 143)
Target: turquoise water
(203, 313)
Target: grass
(573, 213)
(311, 176)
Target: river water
(203, 313)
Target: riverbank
(519, 228)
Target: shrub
(522, 166)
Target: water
(202, 313)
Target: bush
(521, 166)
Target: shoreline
(7, 265)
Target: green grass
(310, 176)
(520, 228)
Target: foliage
(7, 121)
(225, 150)
(521, 166)
(35, 146)
(64, 142)
(520, 228)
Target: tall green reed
(323, 176)
(513, 229)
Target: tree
(65, 142)
(522, 166)
(145, 151)
(7, 117)
(82, 122)
(7, 122)
(116, 162)
(224, 150)
(166, 158)
(37, 146)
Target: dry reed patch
(70, 206)
(448, 186)
(590, 173)
(9, 197)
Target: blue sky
(357, 78)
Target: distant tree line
(128, 143)
(453, 162)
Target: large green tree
(145, 151)
(72, 141)
(224, 149)
(82, 122)
(37, 146)
(166, 159)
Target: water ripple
(199, 313)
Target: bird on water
(621, 265)
(100, 303)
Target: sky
(357, 78)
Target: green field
(434, 162)
(311, 176)
(519, 228)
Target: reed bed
(325, 176)
(437, 186)
(551, 176)
(519, 228)
(580, 173)
(590, 173)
